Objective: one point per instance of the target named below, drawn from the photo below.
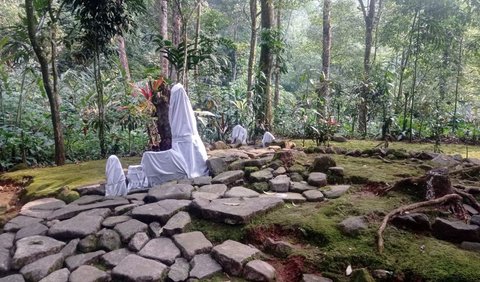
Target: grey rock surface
(33, 248)
(313, 196)
(76, 227)
(218, 189)
(5, 260)
(75, 261)
(31, 230)
(179, 271)
(60, 275)
(192, 243)
(280, 183)
(318, 179)
(204, 266)
(353, 225)
(162, 249)
(113, 258)
(72, 210)
(70, 248)
(455, 231)
(300, 187)
(20, 222)
(241, 192)
(216, 165)
(315, 278)
(128, 228)
(138, 269)
(39, 269)
(138, 241)
(160, 211)
(288, 197)
(177, 223)
(232, 256)
(12, 278)
(170, 191)
(258, 270)
(335, 191)
(110, 222)
(228, 177)
(88, 244)
(87, 273)
(6, 240)
(202, 180)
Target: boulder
(109, 240)
(335, 191)
(258, 270)
(179, 271)
(162, 249)
(60, 275)
(160, 211)
(216, 166)
(228, 177)
(353, 225)
(138, 269)
(87, 273)
(170, 191)
(74, 262)
(20, 222)
(39, 269)
(313, 196)
(455, 231)
(76, 227)
(233, 255)
(192, 243)
(128, 228)
(470, 246)
(177, 223)
(70, 248)
(318, 179)
(412, 221)
(300, 187)
(322, 164)
(240, 192)
(113, 258)
(12, 278)
(204, 266)
(34, 248)
(138, 241)
(280, 183)
(110, 222)
(5, 260)
(88, 244)
(6, 240)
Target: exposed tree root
(402, 209)
(470, 198)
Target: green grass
(48, 181)
(451, 149)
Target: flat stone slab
(162, 249)
(300, 187)
(70, 248)
(110, 222)
(258, 270)
(33, 248)
(177, 223)
(88, 199)
(137, 196)
(31, 230)
(87, 273)
(19, 222)
(74, 262)
(60, 275)
(241, 192)
(233, 255)
(455, 231)
(128, 228)
(102, 212)
(204, 266)
(72, 210)
(42, 267)
(95, 189)
(138, 241)
(288, 197)
(42, 206)
(218, 189)
(202, 180)
(280, 183)
(5, 260)
(192, 243)
(6, 240)
(160, 211)
(335, 191)
(228, 177)
(237, 210)
(13, 278)
(318, 179)
(313, 196)
(138, 269)
(261, 175)
(76, 227)
(206, 196)
(170, 191)
(113, 258)
(179, 271)
(315, 278)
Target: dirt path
(9, 201)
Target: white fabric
(267, 138)
(161, 167)
(136, 178)
(185, 138)
(116, 185)
(239, 135)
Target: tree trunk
(457, 83)
(100, 103)
(176, 34)
(161, 101)
(122, 53)
(163, 29)
(414, 82)
(197, 35)
(253, 46)
(276, 96)
(324, 92)
(50, 90)
(266, 63)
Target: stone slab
(160, 211)
(192, 243)
(162, 249)
(138, 269)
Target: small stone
(216, 166)
(336, 171)
(177, 223)
(124, 209)
(136, 268)
(87, 273)
(261, 175)
(202, 180)
(455, 231)
(6, 240)
(204, 266)
(113, 258)
(412, 221)
(192, 243)
(110, 222)
(128, 228)
(475, 220)
(155, 230)
(278, 248)
(233, 255)
(260, 186)
(296, 177)
(300, 187)
(228, 177)
(318, 179)
(470, 246)
(313, 195)
(70, 248)
(39, 269)
(138, 241)
(95, 189)
(218, 189)
(160, 211)
(179, 270)
(471, 210)
(280, 183)
(335, 191)
(76, 227)
(162, 249)
(279, 171)
(5, 260)
(31, 230)
(60, 275)
(74, 262)
(257, 270)
(353, 225)
(204, 195)
(88, 244)
(240, 192)
(32, 248)
(20, 222)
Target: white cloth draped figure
(116, 185)
(267, 138)
(185, 138)
(161, 167)
(239, 135)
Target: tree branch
(362, 6)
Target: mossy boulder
(296, 168)
(249, 169)
(361, 275)
(68, 195)
(260, 186)
(322, 164)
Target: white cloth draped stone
(116, 185)
(185, 138)
(161, 167)
(267, 138)
(239, 135)
(136, 178)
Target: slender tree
(324, 92)
(253, 47)
(276, 95)
(48, 69)
(266, 61)
(162, 6)
(122, 54)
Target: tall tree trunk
(122, 54)
(197, 35)
(457, 83)
(266, 63)
(163, 28)
(324, 92)
(414, 83)
(161, 101)
(176, 34)
(100, 102)
(253, 46)
(276, 96)
(50, 90)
